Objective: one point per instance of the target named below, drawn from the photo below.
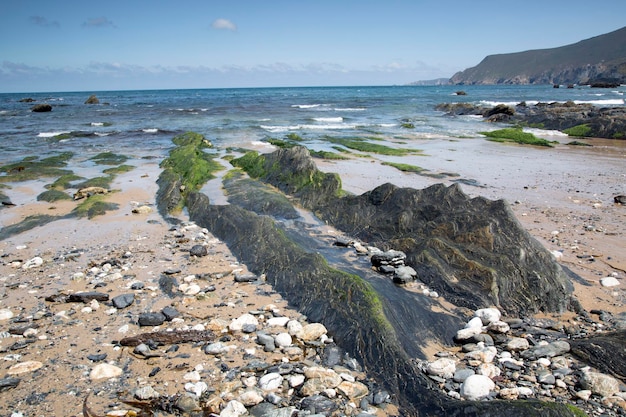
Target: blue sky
(87, 45)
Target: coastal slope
(601, 58)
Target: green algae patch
(578, 143)
(579, 130)
(188, 166)
(328, 155)
(109, 158)
(32, 168)
(118, 170)
(103, 182)
(516, 135)
(404, 167)
(64, 182)
(53, 195)
(365, 145)
(94, 206)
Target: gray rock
(170, 313)
(151, 319)
(391, 257)
(9, 383)
(318, 404)
(601, 384)
(462, 374)
(123, 301)
(556, 348)
(198, 250)
(245, 277)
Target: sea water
(144, 122)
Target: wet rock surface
(601, 122)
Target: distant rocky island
(599, 60)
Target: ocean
(142, 122)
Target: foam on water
(52, 134)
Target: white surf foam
(52, 134)
(152, 130)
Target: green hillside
(600, 57)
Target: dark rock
(41, 108)
(87, 297)
(318, 404)
(392, 257)
(169, 194)
(123, 301)
(500, 109)
(245, 277)
(604, 352)
(8, 383)
(248, 328)
(170, 313)
(92, 100)
(27, 100)
(97, 357)
(151, 319)
(198, 250)
(169, 285)
(620, 199)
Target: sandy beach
(566, 203)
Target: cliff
(599, 58)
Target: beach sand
(566, 204)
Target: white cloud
(223, 24)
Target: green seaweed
(327, 155)
(118, 170)
(516, 135)
(64, 182)
(53, 195)
(188, 162)
(404, 167)
(579, 130)
(104, 182)
(407, 125)
(94, 206)
(109, 158)
(364, 145)
(31, 168)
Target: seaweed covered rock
(474, 252)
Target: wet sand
(562, 196)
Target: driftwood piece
(169, 337)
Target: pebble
(105, 370)
(609, 282)
(24, 367)
(5, 314)
(476, 387)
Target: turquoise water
(145, 121)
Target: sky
(86, 45)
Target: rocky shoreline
(578, 120)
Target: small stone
(312, 332)
(123, 301)
(461, 375)
(584, 394)
(187, 404)
(170, 313)
(282, 339)
(353, 390)
(467, 333)
(476, 387)
(517, 344)
(270, 381)
(146, 393)
(24, 367)
(278, 321)
(105, 370)
(443, 367)
(296, 380)
(609, 282)
(498, 327)
(33, 263)
(196, 388)
(294, 327)
(250, 398)
(5, 314)
(238, 323)
(198, 250)
(233, 409)
(488, 315)
(151, 319)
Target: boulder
(92, 100)
(476, 387)
(41, 108)
(601, 384)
